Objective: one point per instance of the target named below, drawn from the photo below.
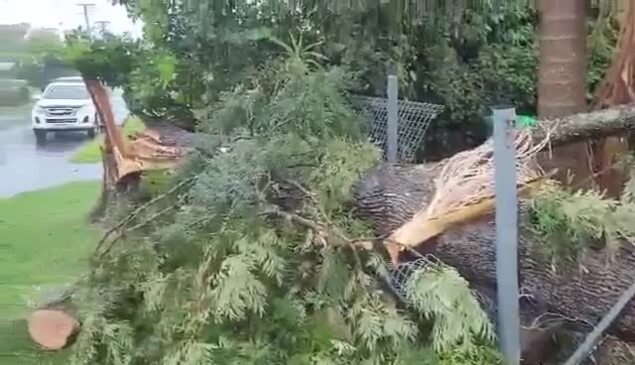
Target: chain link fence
(414, 120)
(401, 273)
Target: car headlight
(40, 110)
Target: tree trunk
(617, 89)
(562, 74)
(584, 126)
(562, 67)
(389, 196)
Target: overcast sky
(65, 14)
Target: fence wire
(401, 273)
(414, 120)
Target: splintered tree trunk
(617, 88)
(390, 196)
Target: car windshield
(67, 92)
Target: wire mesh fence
(399, 275)
(414, 120)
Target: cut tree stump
(52, 329)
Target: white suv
(65, 106)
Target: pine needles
(259, 260)
(441, 294)
(568, 223)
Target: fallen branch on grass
(135, 213)
(137, 226)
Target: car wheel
(40, 136)
(93, 132)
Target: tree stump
(52, 329)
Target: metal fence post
(392, 132)
(506, 232)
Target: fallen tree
(390, 196)
(253, 256)
(263, 233)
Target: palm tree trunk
(562, 68)
(562, 79)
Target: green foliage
(442, 295)
(14, 92)
(39, 58)
(110, 59)
(465, 62)
(602, 41)
(465, 58)
(569, 223)
(258, 264)
(42, 43)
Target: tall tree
(562, 70)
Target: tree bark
(585, 126)
(389, 196)
(562, 73)
(562, 66)
(617, 88)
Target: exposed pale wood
(390, 196)
(419, 229)
(52, 329)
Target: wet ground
(25, 166)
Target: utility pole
(103, 25)
(85, 7)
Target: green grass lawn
(45, 240)
(91, 153)
(16, 347)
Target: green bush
(14, 92)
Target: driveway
(25, 166)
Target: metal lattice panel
(414, 120)
(400, 274)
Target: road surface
(25, 166)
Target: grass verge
(45, 240)
(91, 153)
(20, 110)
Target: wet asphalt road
(25, 166)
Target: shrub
(14, 92)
